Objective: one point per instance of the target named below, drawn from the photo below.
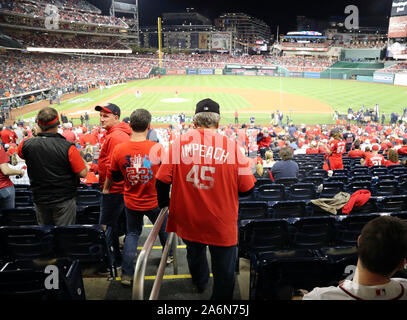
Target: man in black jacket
(54, 166)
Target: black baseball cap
(109, 108)
(207, 105)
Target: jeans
(134, 229)
(7, 198)
(223, 268)
(111, 207)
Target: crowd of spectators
(22, 73)
(364, 44)
(72, 15)
(33, 39)
(396, 68)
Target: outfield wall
(364, 72)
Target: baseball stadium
(319, 114)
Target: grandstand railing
(141, 265)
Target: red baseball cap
(110, 108)
(376, 147)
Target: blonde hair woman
(267, 163)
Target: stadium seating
(20, 216)
(271, 192)
(301, 191)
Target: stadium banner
(233, 66)
(296, 74)
(312, 75)
(398, 27)
(203, 40)
(399, 8)
(219, 71)
(383, 77)
(265, 73)
(220, 41)
(400, 79)
(364, 78)
(205, 71)
(304, 49)
(249, 73)
(176, 72)
(192, 71)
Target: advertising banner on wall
(176, 72)
(205, 71)
(400, 79)
(219, 71)
(383, 77)
(220, 41)
(312, 75)
(399, 8)
(398, 27)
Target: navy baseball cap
(110, 108)
(207, 105)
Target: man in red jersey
(403, 149)
(207, 172)
(112, 204)
(375, 159)
(136, 162)
(356, 152)
(313, 148)
(336, 148)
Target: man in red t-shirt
(7, 192)
(8, 135)
(136, 162)
(207, 172)
(403, 149)
(356, 152)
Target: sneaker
(170, 259)
(126, 280)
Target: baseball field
(305, 100)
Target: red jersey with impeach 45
(138, 161)
(206, 171)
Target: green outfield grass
(339, 94)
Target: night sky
(282, 13)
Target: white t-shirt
(396, 289)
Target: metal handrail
(141, 264)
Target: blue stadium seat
(253, 209)
(397, 170)
(23, 198)
(276, 276)
(289, 209)
(88, 197)
(343, 179)
(358, 185)
(401, 215)
(26, 242)
(361, 178)
(87, 243)
(319, 173)
(312, 232)
(25, 279)
(271, 192)
(340, 172)
(330, 189)
(20, 216)
(22, 187)
(262, 181)
(316, 180)
(301, 191)
(359, 171)
(349, 228)
(286, 181)
(88, 215)
(392, 203)
(261, 235)
(378, 170)
(385, 188)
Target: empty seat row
(24, 216)
(302, 208)
(308, 191)
(86, 243)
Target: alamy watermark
(52, 19)
(352, 21)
